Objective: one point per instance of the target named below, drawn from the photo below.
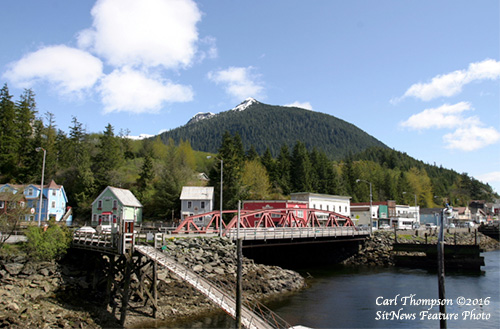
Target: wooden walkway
(249, 318)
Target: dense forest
(269, 127)
(85, 163)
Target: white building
(196, 200)
(334, 203)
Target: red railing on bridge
(272, 218)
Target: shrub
(47, 244)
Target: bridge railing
(262, 233)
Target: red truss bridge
(284, 223)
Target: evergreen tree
(232, 155)
(301, 169)
(270, 165)
(251, 154)
(25, 118)
(283, 171)
(108, 158)
(9, 141)
(49, 136)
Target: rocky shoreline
(377, 249)
(60, 295)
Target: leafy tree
(255, 181)
(10, 218)
(283, 171)
(47, 243)
(174, 175)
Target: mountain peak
(201, 116)
(245, 104)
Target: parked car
(86, 229)
(384, 227)
(430, 225)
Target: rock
(14, 268)
(198, 268)
(13, 307)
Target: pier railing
(250, 318)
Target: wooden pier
(465, 257)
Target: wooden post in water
(155, 288)
(440, 255)
(239, 256)
(126, 288)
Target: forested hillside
(267, 126)
(85, 163)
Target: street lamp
(221, 181)
(38, 149)
(371, 201)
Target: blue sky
(421, 76)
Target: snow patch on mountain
(245, 104)
(201, 116)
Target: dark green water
(343, 297)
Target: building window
(189, 204)
(345, 208)
(115, 204)
(202, 205)
(30, 191)
(99, 204)
(54, 192)
(327, 208)
(94, 219)
(53, 204)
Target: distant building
(385, 213)
(334, 203)
(273, 204)
(54, 201)
(197, 200)
(116, 207)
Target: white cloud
(470, 133)
(143, 33)
(239, 82)
(133, 91)
(471, 138)
(451, 84)
(490, 177)
(68, 69)
(303, 105)
(445, 116)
